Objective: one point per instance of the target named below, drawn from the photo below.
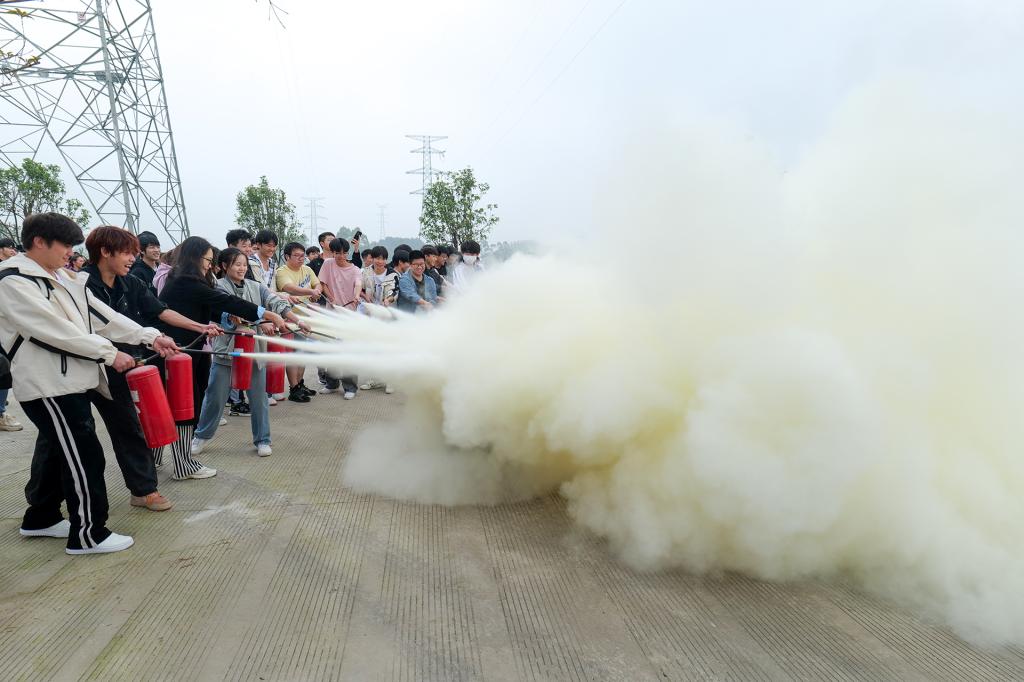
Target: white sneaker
(9, 423)
(370, 384)
(349, 395)
(57, 530)
(204, 472)
(271, 400)
(325, 391)
(279, 396)
(263, 450)
(223, 422)
(388, 389)
(113, 543)
(198, 444)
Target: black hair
(323, 235)
(50, 227)
(187, 258)
(226, 258)
(415, 254)
(470, 246)
(237, 235)
(368, 253)
(147, 239)
(265, 237)
(403, 247)
(401, 256)
(379, 252)
(8, 243)
(429, 250)
(339, 245)
(311, 250)
(291, 246)
(444, 249)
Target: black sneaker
(242, 407)
(296, 395)
(308, 391)
(233, 410)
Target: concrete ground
(274, 570)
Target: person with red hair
(112, 250)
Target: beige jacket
(61, 336)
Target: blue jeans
(217, 395)
(3, 400)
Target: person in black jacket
(145, 265)
(190, 291)
(111, 253)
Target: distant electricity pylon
(314, 217)
(382, 221)
(426, 168)
(84, 77)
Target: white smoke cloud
(814, 372)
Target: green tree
(451, 212)
(262, 207)
(34, 187)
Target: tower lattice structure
(83, 77)
(427, 152)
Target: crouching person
(235, 264)
(58, 339)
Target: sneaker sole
(98, 550)
(39, 534)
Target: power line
(554, 80)
(503, 110)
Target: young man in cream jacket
(58, 339)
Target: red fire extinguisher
(241, 368)
(151, 404)
(275, 371)
(179, 386)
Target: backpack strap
(64, 355)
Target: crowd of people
(69, 332)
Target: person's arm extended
(176, 319)
(222, 302)
(22, 303)
(112, 325)
(357, 290)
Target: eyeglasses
(208, 260)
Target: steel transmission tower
(382, 221)
(314, 218)
(426, 168)
(84, 77)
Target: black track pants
(72, 471)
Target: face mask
(468, 260)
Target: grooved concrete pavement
(274, 570)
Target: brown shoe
(152, 502)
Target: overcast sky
(539, 96)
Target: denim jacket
(408, 297)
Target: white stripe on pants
(67, 444)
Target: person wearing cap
(146, 264)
